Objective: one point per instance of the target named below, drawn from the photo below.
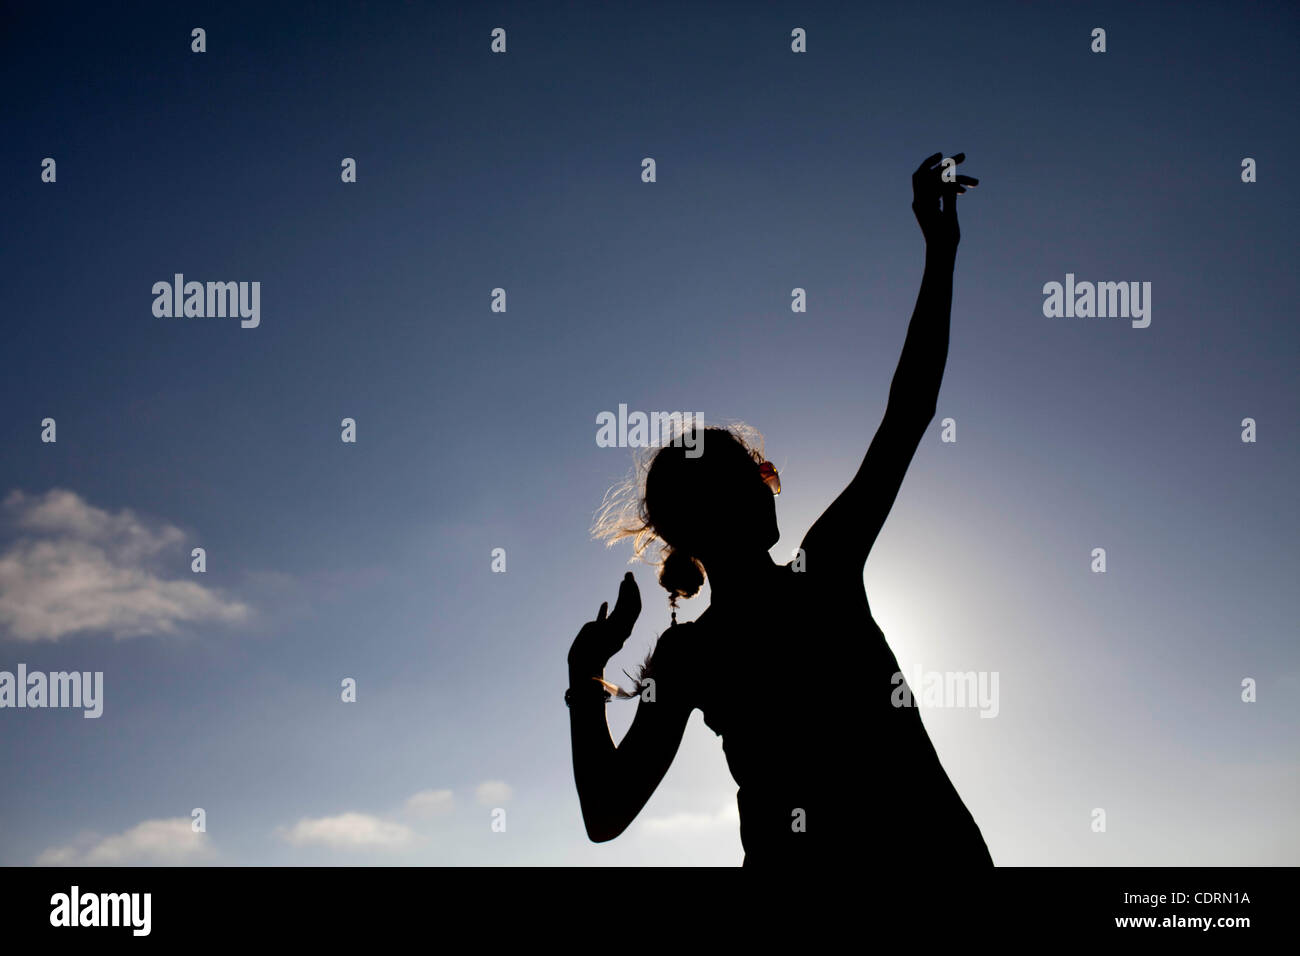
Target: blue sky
(476, 430)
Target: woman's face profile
(716, 505)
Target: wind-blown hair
(630, 508)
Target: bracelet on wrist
(595, 690)
(570, 696)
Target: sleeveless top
(800, 689)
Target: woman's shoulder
(673, 644)
(673, 655)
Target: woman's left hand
(601, 639)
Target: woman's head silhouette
(715, 508)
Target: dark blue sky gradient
(477, 430)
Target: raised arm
(614, 782)
(841, 539)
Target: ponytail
(681, 576)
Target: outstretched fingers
(935, 188)
(927, 164)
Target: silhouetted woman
(823, 774)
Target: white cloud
(728, 817)
(170, 842)
(348, 831)
(429, 802)
(492, 793)
(79, 568)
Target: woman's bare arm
(841, 539)
(615, 782)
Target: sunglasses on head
(767, 471)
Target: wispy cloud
(430, 802)
(170, 842)
(348, 831)
(726, 818)
(80, 569)
(366, 831)
(493, 793)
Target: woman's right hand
(934, 201)
(601, 639)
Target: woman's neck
(737, 577)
